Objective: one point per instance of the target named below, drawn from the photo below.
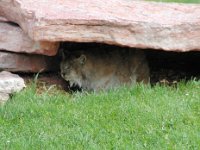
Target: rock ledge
(166, 26)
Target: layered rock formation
(165, 26)
(12, 38)
(17, 49)
(27, 63)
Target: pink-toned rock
(166, 26)
(12, 38)
(9, 83)
(2, 19)
(16, 62)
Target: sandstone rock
(16, 62)
(2, 19)
(9, 83)
(166, 26)
(12, 38)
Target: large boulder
(17, 62)
(9, 83)
(12, 38)
(170, 27)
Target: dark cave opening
(165, 67)
(173, 66)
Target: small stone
(9, 83)
(3, 98)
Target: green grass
(178, 1)
(141, 117)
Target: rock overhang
(164, 26)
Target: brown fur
(102, 69)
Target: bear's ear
(82, 59)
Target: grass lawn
(141, 117)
